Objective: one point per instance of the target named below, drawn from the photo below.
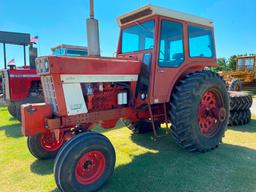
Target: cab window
(246, 63)
(171, 49)
(200, 42)
(138, 37)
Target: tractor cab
(69, 50)
(246, 63)
(166, 41)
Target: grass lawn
(142, 164)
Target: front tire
(85, 163)
(44, 146)
(199, 111)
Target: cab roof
(74, 47)
(246, 56)
(150, 10)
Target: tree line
(230, 63)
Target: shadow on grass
(13, 130)
(229, 168)
(250, 128)
(99, 129)
(42, 167)
(173, 169)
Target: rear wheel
(240, 101)
(235, 85)
(242, 117)
(199, 111)
(31, 99)
(12, 109)
(85, 163)
(44, 146)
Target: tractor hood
(87, 65)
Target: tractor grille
(49, 92)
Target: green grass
(142, 164)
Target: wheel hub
(210, 113)
(90, 167)
(49, 142)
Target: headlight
(42, 65)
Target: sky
(63, 22)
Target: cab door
(171, 56)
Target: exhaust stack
(93, 33)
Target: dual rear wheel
(199, 111)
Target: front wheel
(199, 111)
(85, 163)
(44, 146)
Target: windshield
(245, 63)
(139, 37)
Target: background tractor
(244, 76)
(22, 84)
(156, 77)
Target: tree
(222, 64)
(232, 62)
(222, 61)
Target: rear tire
(199, 111)
(44, 146)
(12, 109)
(31, 99)
(240, 101)
(235, 85)
(242, 117)
(85, 163)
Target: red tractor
(157, 77)
(20, 84)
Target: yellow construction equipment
(244, 75)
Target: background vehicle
(244, 75)
(69, 50)
(156, 77)
(20, 84)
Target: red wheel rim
(90, 167)
(49, 142)
(210, 113)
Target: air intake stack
(93, 33)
